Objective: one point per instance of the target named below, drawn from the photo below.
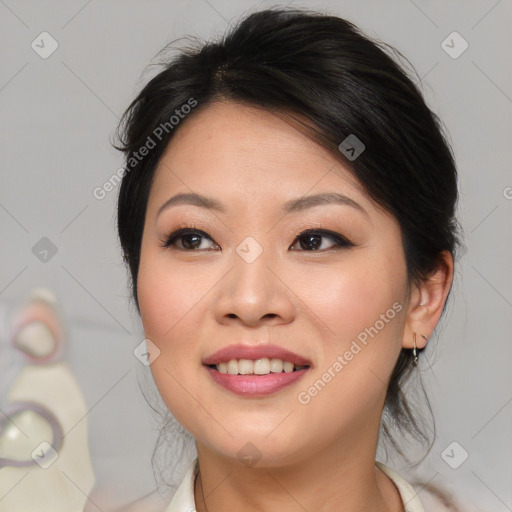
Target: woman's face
(253, 277)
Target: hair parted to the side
(321, 68)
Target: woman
(287, 213)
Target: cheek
(359, 308)
(155, 298)
(165, 306)
(165, 296)
(352, 296)
(166, 309)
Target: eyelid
(184, 224)
(338, 239)
(185, 228)
(170, 239)
(317, 227)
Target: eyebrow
(291, 206)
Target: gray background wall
(58, 113)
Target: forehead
(232, 150)
(247, 129)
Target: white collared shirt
(183, 500)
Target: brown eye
(312, 240)
(191, 240)
(187, 239)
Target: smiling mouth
(263, 366)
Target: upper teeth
(261, 366)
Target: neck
(341, 478)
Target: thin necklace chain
(202, 491)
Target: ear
(426, 303)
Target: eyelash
(339, 240)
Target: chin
(258, 450)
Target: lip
(255, 352)
(255, 386)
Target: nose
(254, 293)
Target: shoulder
(438, 498)
(152, 502)
(433, 501)
(418, 496)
